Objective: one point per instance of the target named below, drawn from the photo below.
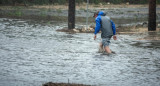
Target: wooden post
(71, 14)
(87, 15)
(152, 15)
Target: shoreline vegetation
(78, 7)
(65, 2)
(60, 13)
(50, 12)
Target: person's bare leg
(100, 45)
(107, 49)
(100, 48)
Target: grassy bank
(78, 7)
(121, 17)
(59, 12)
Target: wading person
(108, 29)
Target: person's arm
(114, 30)
(98, 26)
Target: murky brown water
(33, 53)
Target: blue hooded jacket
(98, 23)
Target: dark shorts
(106, 41)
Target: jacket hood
(101, 13)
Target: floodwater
(33, 53)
